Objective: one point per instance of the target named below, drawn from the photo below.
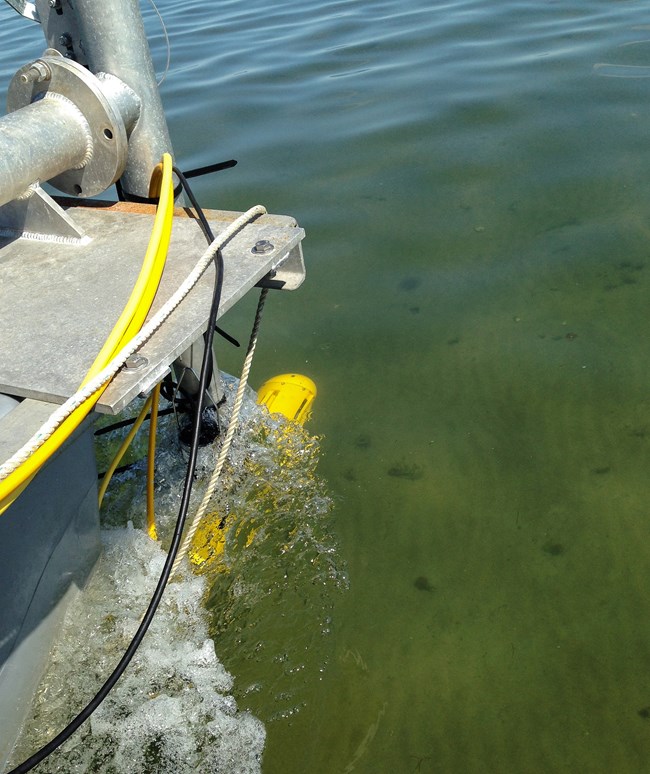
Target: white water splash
(172, 711)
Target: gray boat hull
(49, 543)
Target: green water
(476, 319)
(473, 178)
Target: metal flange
(54, 76)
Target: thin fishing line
(167, 43)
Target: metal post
(39, 142)
(113, 39)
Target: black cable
(210, 168)
(121, 197)
(225, 335)
(220, 165)
(199, 211)
(131, 421)
(119, 469)
(208, 336)
(103, 692)
(183, 177)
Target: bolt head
(263, 246)
(135, 362)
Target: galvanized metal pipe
(114, 41)
(39, 142)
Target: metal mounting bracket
(37, 216)
(291, 272)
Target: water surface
(473, 178)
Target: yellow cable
(146, 285)
(151, 459)
(123, 447)
(127, 326)
(150, 404)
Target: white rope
(225, 447)
(146, 332)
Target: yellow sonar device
(291, 395)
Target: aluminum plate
(59, 302)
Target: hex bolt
(54, 4)
(263, 246)
(66, 39)
(135, 362)
(37, 72)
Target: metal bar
(39, 142)
(114, 41)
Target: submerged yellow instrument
(291, 395)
